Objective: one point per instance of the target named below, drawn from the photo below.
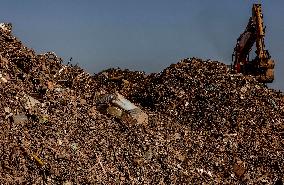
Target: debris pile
(203, 125)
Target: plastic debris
(30, 102)
(74, 147)
(20, 118)
(43, 119)
(3, 79)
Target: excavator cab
(262, 66)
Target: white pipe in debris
(123, 103)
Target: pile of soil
(206, 125)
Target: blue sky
(143, 35)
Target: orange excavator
(262, 66)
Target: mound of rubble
(60, 125)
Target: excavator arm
(262, 66)
(243, 47)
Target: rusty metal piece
(38, 160)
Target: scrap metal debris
(122, 104)
(61, 125)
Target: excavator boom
(262, 66)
